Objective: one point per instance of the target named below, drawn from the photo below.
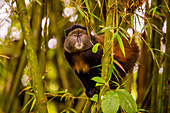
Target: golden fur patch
(80, 65)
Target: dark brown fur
(82, 61)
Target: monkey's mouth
(79, 45)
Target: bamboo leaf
(82, 13)
(87, 5)
(33, 104)
(28, 103)
(110, 72)
(132, 20)
(154, 10)
(114, 35)
(106, 29)
(124, 36)
(121, 44)
(96, 17)
(73, 110)
(39, 2)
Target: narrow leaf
(106, 29)
(124, 36)
(95, 48)
(132, 20)
(27, 103)
(82, 13)
(73, 110)
(96, 17)
(110, 72)
(87, 5)
(114, 35)
(39, 2)
(33, 104)
(121, 44)
(110, 102)
(126, 101)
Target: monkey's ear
(68, 30)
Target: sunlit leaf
(4, 56)
(29, 87)
(39, 2)
(126, 101)
(33, 104)
(98, 80)
(154, 10)
(110, 102)
(73, 110)
(30, 93)
(94, 98)
(28, 103)
(132, 20)
(95, 48)
(87, 5)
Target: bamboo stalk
(165, 87)
(32, 58)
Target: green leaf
(39, 2)
(98, 80)
(110, 102)
(132, 20)
(110, 72)
(27, 103)
(96, 17)
(114, 35)
(106, 29)
(94, 98)
(33, 104)
(87, 5)
(154, 10)
(82, 13)
(73, 110)
(121, 44)
(126, 101)
(95, 48)
(123, 34)
(99, 84)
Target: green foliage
(110, 102)
(95, 48)
(94, 98)
(113, 99)
(99, 81)
(126, 101)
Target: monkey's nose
(78, 39)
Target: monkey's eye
(75, 35)
(80, 34)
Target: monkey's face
(77, 40)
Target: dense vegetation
(34, 75)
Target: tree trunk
(32, 58)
